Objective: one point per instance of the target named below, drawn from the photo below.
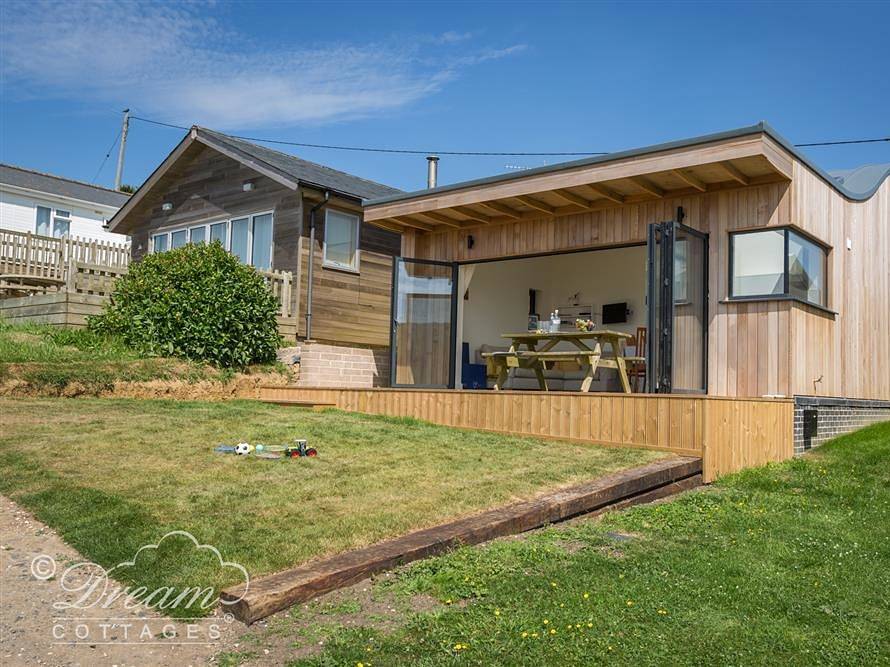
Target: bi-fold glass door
(424, 316)
(678, 309)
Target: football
(242, 448)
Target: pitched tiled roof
(57, 185)
(302, 170)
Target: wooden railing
(31, 255)
(91, 267)
(281, 284)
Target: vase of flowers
(584, 325)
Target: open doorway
(607, 286)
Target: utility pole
(123, 148)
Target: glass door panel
(423, 319)
(689, 338)
(678, 313)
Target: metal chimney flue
(432, 170)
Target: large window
(248, 238)
(777, 263)
(341, 233)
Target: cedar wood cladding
(206, 185)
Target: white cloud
(179, 63)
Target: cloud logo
(95, 586)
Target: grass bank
(113, 475)
(783, 565)
(46, 360)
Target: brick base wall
(817, 420)
(323, 365)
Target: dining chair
(636, 369)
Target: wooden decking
(729, 434)
(267, 595)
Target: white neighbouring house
(31, 201)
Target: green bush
(197, 302)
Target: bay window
(777, 263)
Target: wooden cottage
(745, 290)
(298, 222)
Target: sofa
(565, 376)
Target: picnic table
(589, 356)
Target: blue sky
(469, 76)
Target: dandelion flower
(552, 631)
(586, 595)
(630, 603)
(546, 621)
(524, 635)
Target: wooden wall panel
(729, 434)
(349, 307)
(207, 185)
(848, 354)
(737, 332)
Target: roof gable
(59, 186)
(287, 170)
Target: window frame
(786, 291)
(227, 244)
(333, 264)
(56, 215)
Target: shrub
(197, 302)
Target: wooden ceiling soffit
(733, 172)
(605, 193)
(467, 212)
(647, 186)
(440, 219)
(412, 222)
(572, 198)
(389, 225)
(690, 179)
(503, 209)
(536, 204)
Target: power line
(365, 149)
(105, 159)
(841, 143)
(408, 151)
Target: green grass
(786, 565)
(49, 359)
(113, 475)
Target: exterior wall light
(166, 206)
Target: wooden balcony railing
(88, 267)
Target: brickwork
(323, 365)
(817, 420)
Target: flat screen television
(615, 313)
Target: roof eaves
(761, 127)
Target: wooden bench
(588, 359)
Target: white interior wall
(498, 292)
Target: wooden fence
(25, 254)
(727, 433)
(91, 267)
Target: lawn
(783, 565)
(47, 360)
(113, 475)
